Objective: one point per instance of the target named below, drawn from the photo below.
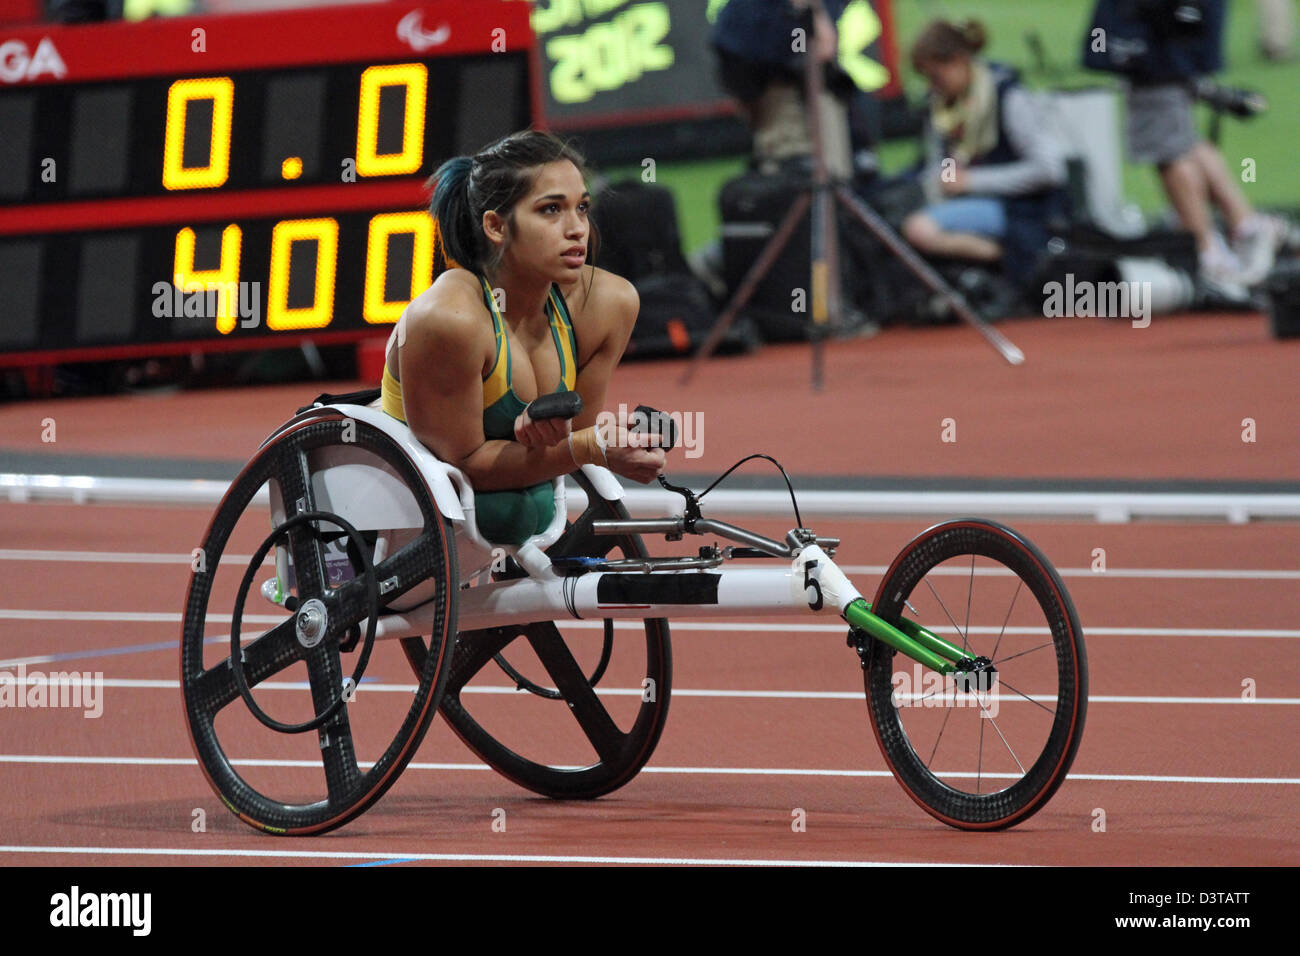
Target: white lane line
(110, 557)
(465, 857)
(138, 617)
(1230, 574)
(1177, 574)
(163, 617)
(692, 771)
(129, 683)
(1030, 631)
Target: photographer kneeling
(994, 172)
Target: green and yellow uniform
(510, 516)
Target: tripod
(818, 198)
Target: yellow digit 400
(370, 162)
(214, 172)
(323, 234)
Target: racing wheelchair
(367, 565)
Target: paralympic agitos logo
(411, 29)
(17, 63)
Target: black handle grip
(647, 419)
(555, 405)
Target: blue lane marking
(141, 649)
(384, 862)
(108, 651)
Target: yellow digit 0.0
(415, 78)
(378, 309)
(323, 232)
(221, 91)
(224, 279)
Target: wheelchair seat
(364, 491)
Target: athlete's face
(550, 229)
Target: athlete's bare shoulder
(602, 301)
(447, 318)
(454, 294)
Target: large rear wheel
(313, 748)
(571, 709)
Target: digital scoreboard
(639, 77)
(238, 181)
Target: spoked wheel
(539, 702)
(307, 746)
(988, 753)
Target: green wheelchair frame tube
(912, 639)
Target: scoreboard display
(625, 64)
(238, 181)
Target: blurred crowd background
(708, 116)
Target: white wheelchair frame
(375, 499)
(475, 613)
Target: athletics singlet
(511, 516)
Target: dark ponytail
(451, 212)
(495, 178)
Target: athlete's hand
(634, 455)
(541, 433)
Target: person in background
(761, 63)
(95, 11)
(1276, 28)
(82, 11)
(993, 171)
(1162, 48)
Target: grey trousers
(780, 123)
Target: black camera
(1229, 99)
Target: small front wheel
(979, 754)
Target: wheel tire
(626, 754)
(955, 806)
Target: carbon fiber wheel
(300, 615)
(984, 755)
(546, 742)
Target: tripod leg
(753, 277)
(926, 273)
(825, 276)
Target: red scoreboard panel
(238, 181)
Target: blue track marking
(135, 649)
(383, 862)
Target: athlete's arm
(609, 312)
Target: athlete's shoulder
(454, 288)
(603, 293)
(450, 310)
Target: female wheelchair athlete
(373, 540)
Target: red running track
(1191, 639)
(1203, 778)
